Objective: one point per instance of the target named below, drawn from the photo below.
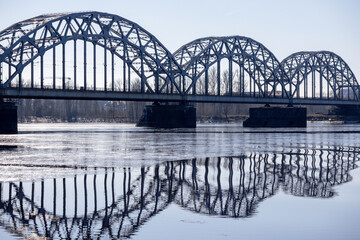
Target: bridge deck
(147, 97)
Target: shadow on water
(115, 203)
(8, 147)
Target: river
(218, 181)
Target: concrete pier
(276, 117)
(8, 118)
(348, 114)
(168, 116)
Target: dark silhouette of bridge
(115, 203)
(94, 55)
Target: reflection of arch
(252, 58)
(112, 214)
(335, 80)
(117, 203)
(226, 186)
(142, 53)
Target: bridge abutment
(168, 116)
(8, 118)
(276, 117)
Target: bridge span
(95, 55)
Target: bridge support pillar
(168, 116)
(348, 113)
(276, 117)
(8, 118)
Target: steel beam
(122, 96)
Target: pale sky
(283, 26)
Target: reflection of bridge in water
(115, 203)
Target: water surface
(214, 182)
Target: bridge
(117, 202)
(101, 56)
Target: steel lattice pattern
(231, 66)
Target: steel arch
(251, 56)
(158, 72)
(341, 83)
(23, 42)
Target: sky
(283, 26)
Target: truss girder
(23, 42)
(162, 72)
(331, 68)
(198, 56)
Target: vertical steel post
(156, 75)
(105, 66)
(94, 64)
(63, 66)
(255, 85)
(305, 84)
(230, 76)
(20, 79)
(206, 81)
(183, 83)
(313, 83)
(85, 67)
(291, 87)
(328, 83)
(172, 79)
(75, 64)
(124, 69)
(42, 71)
(142, 74)
(9, 71)
(321, 85)
(242, 80)
(193, 76)
(129, 70)
(54, 67)
(112, 72)
(348, 88)
(218, 78)
(250, 85)
(335, 84)
(298, 84)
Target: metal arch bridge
(94, 55)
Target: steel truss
(334, 79)
(251, 57)
(139, 50)
(134, 61)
